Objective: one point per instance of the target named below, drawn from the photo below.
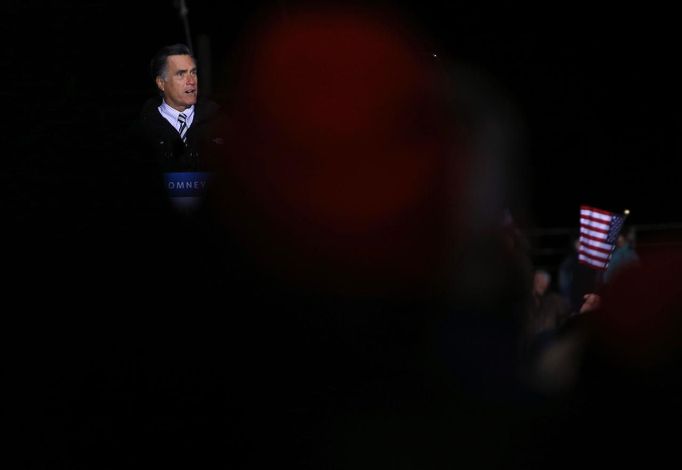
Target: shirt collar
(166, 110)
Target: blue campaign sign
(187, 183)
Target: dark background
(594, 86)
(111, 356)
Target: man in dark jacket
(174, 125)
(174, 133)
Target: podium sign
(187, 188)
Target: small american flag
(599, 230)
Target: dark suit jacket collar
(204, 110)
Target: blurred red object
(343, 159)
(641, 320)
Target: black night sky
(116, 352)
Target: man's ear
(160, 83)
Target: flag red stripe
(595, 253)
(595, 243)
(596, 234)
(604, 219)
(593, 238)
(596, 263)
(594, 209)
(596, 224)
(598, 248)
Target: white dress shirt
(171, 115)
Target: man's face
(540, 283)
(180, 85)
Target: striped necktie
(182, 119)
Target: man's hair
(159, 64)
